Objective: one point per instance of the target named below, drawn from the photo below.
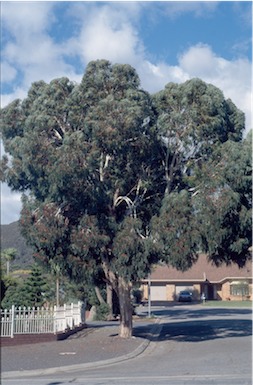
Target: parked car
(185, 296)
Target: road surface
(196, 346)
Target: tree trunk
(57, 291)
(109, 300)
(123, 290)
(126, 308)
(99, 295)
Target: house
(217, 283)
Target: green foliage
(135, 253)
(28, 292)
(34, 286)
(15, 295)
(176, 231)
(8, 255)
(102, 312)
(193, 120)
(226, 220)
(6, 282)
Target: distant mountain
(11, 237)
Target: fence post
(12, 320)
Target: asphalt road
(196, 346)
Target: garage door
(158, 293)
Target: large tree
(112, 172)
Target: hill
(11, 237)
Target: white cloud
(108, 33)
(9, 72)
(10, 202)
(100, 40)
(198, 8)
(105, 31)
(199, 61)
(19, 93)
(30, 48)
(26, 18)
(232, 77)
(155, 76)
(38, 57)
(10, 205)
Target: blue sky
(165, 41)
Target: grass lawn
(228, 304)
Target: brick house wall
(227, 295)
(170, 292)
(202, 277)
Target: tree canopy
(120, 179)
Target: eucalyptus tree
(113, 173)
(86, 154)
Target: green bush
(102, 312)
(27, 292)
(15, 295)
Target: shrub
(102, 312)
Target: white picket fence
(41, 320)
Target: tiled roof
(201, 271)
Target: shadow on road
(198, 330)
(192, 324)
(191, 312)
(55, 383)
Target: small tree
(26, 292)
(8, 255)
(34, 287)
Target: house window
(239, 288)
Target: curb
(155, 331)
